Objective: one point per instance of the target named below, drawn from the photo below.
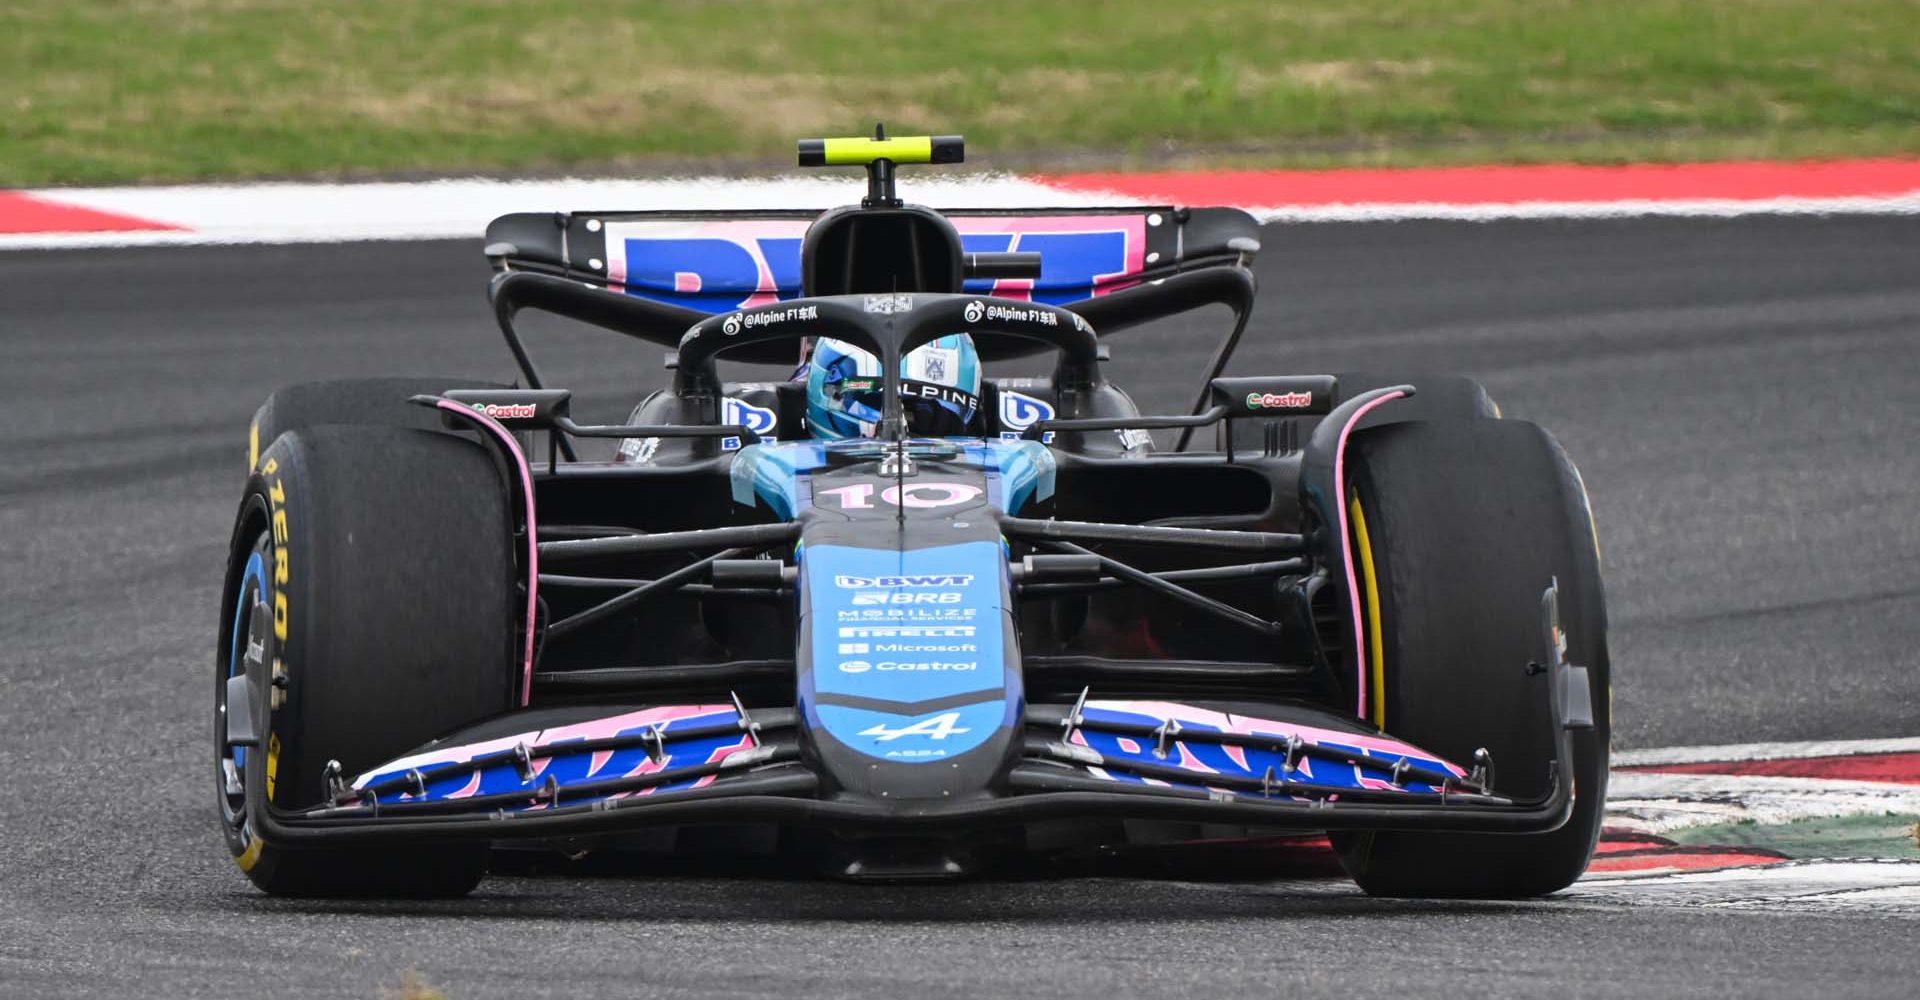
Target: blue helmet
(939, 388)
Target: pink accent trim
(533, 536)
(1385, 747)
(1346, 548)
(472, 786)
(1191, 763)
(591, 729)
(648, 766)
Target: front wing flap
(682, 764)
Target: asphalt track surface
(1743, 396)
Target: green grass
(1885, 836)
(108, 91)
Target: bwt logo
(941, 580)
(718, 274)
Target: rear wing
(714, 262)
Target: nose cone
(909, 684)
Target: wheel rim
(251, 649)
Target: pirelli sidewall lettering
(273, 477)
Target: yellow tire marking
(253, 446)
(1376, 656)
(251, 856)
(273, 762)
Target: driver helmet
(939, 389)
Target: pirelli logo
(906, 631)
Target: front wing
(688, 764)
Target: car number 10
(860, 495)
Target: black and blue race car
(1363, 604)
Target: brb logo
(720, 266)
(1019, 412)
(758, 419)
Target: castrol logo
(1279, 400)
(507, 411)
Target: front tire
(379, 563)
(1466, 523)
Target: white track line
(1763, 751)
(1659, 803)
(1710, 208)
(460, 209)
(1851, 885)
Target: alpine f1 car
(894, 618)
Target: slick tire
(369, 604)
(1466, 523)
(378, 402)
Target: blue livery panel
(908, 648)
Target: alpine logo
(933, 580)
(934, 727)
(915, 389)
(1279, 400)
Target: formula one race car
(894, 619)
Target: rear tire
(1468, 521)
(383, 558)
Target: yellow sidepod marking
(906, 149)
(1376, 656)
(251, 856)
